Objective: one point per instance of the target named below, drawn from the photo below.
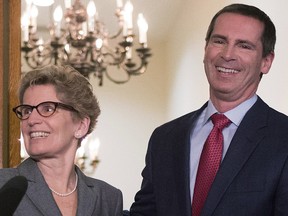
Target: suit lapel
(180, 139)
(248, 135)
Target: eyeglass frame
(56, 104)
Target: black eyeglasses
(45, 109)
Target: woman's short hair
(71, 88)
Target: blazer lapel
(38, 191)
(40, 194)
(248, 135)
(87, 199)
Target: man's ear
(267, 63)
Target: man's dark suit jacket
(95, 197)
(252, 179)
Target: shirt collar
(236, 114)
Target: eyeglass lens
(44, 109)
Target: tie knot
(220, 121)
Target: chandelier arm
(119, 15)
(117, 60)
(48, 57)
(30, 53)
(51, 58)
(129, 66)
(29, 63)
(117, 34)
(37, 55)
(136, 71)
(117, 81)
(141, 69)
(32, 61)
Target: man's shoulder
(181, 124)
(272, 114)
(187, 118)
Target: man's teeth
(38, 134)
(227, 70)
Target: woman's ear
(83, 128)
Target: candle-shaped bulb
(33, 18)
(40, 41)
(119, 3)
(143, 28)
(34, 11)
(128, 10)
(93, 147)
(43, 3)
(128, 53)
(67, 48)
(28, 2)
(25, 26)
(67, 3)
(80, 152)
(92, 12)
(57, 15)
(84, 28)
(24, 20)
(40, 44)
(98, 43)
(91, 8)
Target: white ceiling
(160, 14)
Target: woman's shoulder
(96, 184)
(6, 174)
(103, 186)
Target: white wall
(130, 112)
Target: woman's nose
(34, 118)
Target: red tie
(210, 160)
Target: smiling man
(230, 157)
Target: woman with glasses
(57, 110)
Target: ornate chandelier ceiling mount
(78, 38)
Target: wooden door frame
(10, 70)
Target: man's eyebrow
(246, 42)
(218, 36)
(238, 41)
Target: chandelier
(83, 41)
